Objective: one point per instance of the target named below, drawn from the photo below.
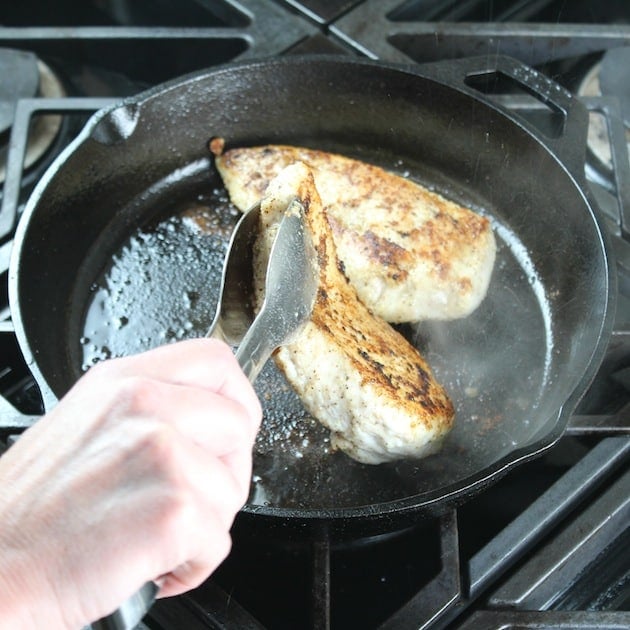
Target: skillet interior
(510, 368)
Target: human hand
(136, 475)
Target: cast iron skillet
(515, 368)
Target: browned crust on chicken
(367, 377)
(410, 253)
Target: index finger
(205, 363)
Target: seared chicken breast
(352, 370)
(410, 253)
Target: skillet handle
(568, 144)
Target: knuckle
(172, 520)
(239, 495)
(137, 395)
(240, 431)
(223, 547)
(231, 506)
(157, 445)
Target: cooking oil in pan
(162, 284)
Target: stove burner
(614, 79)
(598, 139)
(43, 129)
(20, 80)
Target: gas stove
(548, 546)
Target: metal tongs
(290, 288)
(291, 282)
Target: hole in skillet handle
(527, 97)
(548, 118)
